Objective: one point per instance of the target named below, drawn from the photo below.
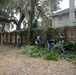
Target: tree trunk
(22, 16)
(29, 34)
(18, 27)
(31, 18)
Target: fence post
(15, 38)
(21, 39)
(0, 38)
(10, 38)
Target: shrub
(74, 46)
(57, 46)
(33, 51)
(70, 46)
(52, 56)
(55, 53)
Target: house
(65, 17)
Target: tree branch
(8, 20)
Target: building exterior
(65, 17)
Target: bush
(55, 53)
(52, 56)
(70, 46)
(74, 46)
(33, 51)
(57, 46)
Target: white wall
(56, 23)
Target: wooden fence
(69, 33)
(9, 38)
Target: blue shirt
(38, 41)
(50, 41)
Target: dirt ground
(14, 63)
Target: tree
(25, 7)
(29, 9)
(8, 13)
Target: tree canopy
(28, 10)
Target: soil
(14, 63)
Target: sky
(65, 4)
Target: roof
(62, 12)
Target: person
(61, 37)
(18, 41)
(61, 41)
(37, 42)
(62, 47)
(50, 43)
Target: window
(60, 19)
